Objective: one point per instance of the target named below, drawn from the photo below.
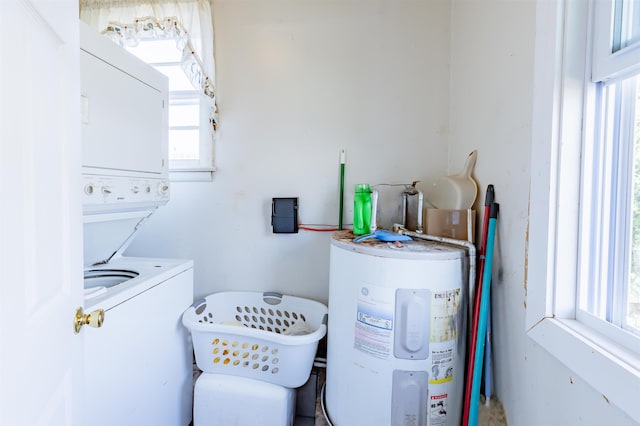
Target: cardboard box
(456, 224)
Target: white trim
(624, 338)
(591, 357)
(545, 136)
(190, 175)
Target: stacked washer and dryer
(138, 364)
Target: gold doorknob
(94, 319)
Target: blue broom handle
(482, 321)
(488, 361)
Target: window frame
(204, 163)
(606, 62)
(190, 170)
(563, 96)
(604, 283)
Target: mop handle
(475, 303)
(482, 320)
(488, 360)
(341, 208)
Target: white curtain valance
(188, 22)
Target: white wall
(298, 81)
(491, 109)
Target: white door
(40, 213)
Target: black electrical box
(284, 215)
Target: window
(609, 271)
(584, 247)
(189, 141)
(609, 259)
(626, 24)
(176, 37)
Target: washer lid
(414, 249)
(108, 235)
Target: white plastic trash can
(223, 400)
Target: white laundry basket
(264, 336)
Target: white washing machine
(396, 335)
(138, 364)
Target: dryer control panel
(102, 193)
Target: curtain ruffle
(150, 28)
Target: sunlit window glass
(626, 25)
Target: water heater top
(414, 249)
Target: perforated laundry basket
(248, 334)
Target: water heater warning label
(374, 323)
(375, 319)
(373, 331)
(442, 364)
(438, 409)
(445, 306)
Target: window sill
(191, 175)
(609, 368)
